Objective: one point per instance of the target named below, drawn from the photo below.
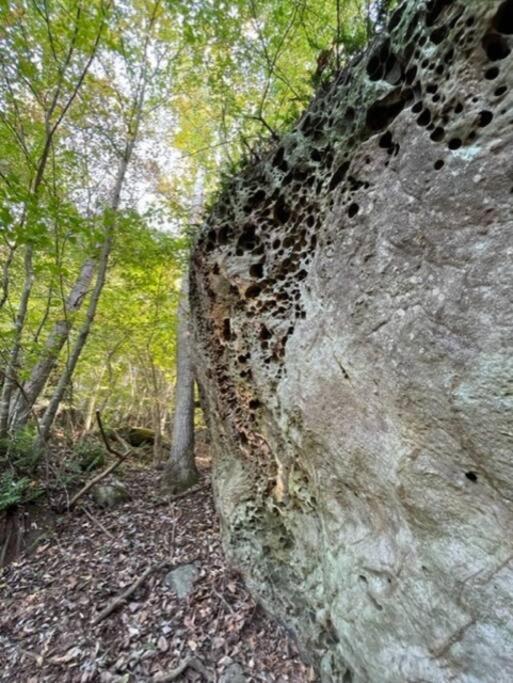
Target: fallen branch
(121, 457)
(121, 599)
(177, 496)
(189, 663)
(97, 522)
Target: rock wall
(352, 298)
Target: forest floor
(51, 598)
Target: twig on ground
(97, 522)
(189, 663)
(121, 599)
(223, 600)
(121, 457)
(184, 494)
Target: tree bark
(67, 374)
(181, 472)
(11, 367)
(54, 344)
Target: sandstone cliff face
(352, 298)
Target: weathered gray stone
(182, 579)
(109, 494)
(234, 674)
(352, 298)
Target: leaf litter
(51, 600)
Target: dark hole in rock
(375, 65)
(438, 134)
(485, 118)
(454, 143)
(350, 114)
(431, 88)
(279, 160)
(252, 291)
(492, 73)
(458, 108)
(471, 476)
(408, 51)
(315, 155)
(257, 270)
(265, 333)
(449, 57)
(425, 118)
(501, 91)
(438, 35)
(410, 75)
(281, 210)
(439, 164)
(247, 240)
(496, 47)
(339, 175)
(503, 21)
(254, 404)
(224, 235)
(353, 210)
(393, 71)
(226, 329)
(417, 107)
(381, 114)
(395, 19)
(434, 9)
(386, 140)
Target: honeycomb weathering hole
(496, 47)
(381, 114)
(434, 9)
(503, 21)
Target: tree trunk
(10, 381)
(181, 472)
(54, 344)
(67, 374)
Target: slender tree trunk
(54, 344)
(103, 261)
(51, 127)
(156, 415)
(181, 472)
(67, 374)
(10, 373)
(91, 404)
(11, 250)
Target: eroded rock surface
(352, 301)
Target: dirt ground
(51, 598)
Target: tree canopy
(117, 120)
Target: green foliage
(18, 461)
(19, 451)
(88, 455)
(221, 79)
(13, 491)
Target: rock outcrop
(352, 299)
